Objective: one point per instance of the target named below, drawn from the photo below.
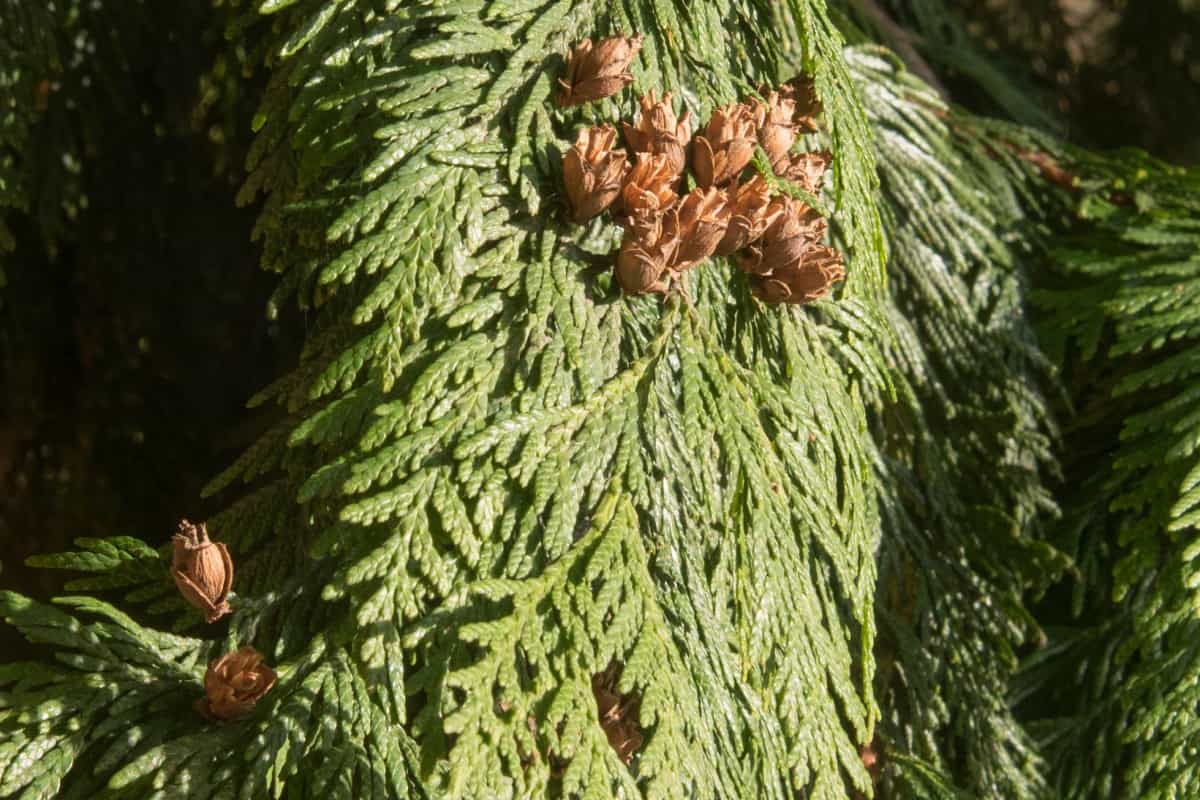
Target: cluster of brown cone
(776, 238)
(203, 571)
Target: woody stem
(902, 42)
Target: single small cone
(234, 683)
(726, 146)
(618, 713)
(202, 569)
(649, 186)
(658, 131)
(808, 170)
(802, 91)
(796, 222)
(776, 128)
(593, 172)
(796, 229)
(701, 220)
(803, 281)
(598, 70)
(751, 214)
(874, 765)
(647, 252)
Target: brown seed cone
(806, 280)
(803, 93)
(726, 146)
(796, 222)
(234, 683)
(796, 229)
(808, 170)
(202, 569)
(699, 223)
(647, 253)
(618, 713)
(593, 172)
(649, 186)
(598, 70)
(751, 213)
(776, 128)
(658, 131)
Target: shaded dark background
(1113, 73)
(132, 328)
(132, 324)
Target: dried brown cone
(658, 131)
(795, 230)
(751, 213)
(870, 760)
(593, 172)
(647, 252)
(776, 128)
(649, 186)
(618, 713)
(804, 281)
(699, 222)
(202, 569)
(234, 683)
(808, 170)
(807, 106)
(598, 70)
(726, 146)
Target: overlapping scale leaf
(963, 451)
(471, 390)
(1122, 306)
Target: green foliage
(915, 778)
(1123, 300)
(119, 562)
(537, 660)
(492, 476)
(964, 451)
(117, 687)
(115, 719)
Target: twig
(902, 42)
